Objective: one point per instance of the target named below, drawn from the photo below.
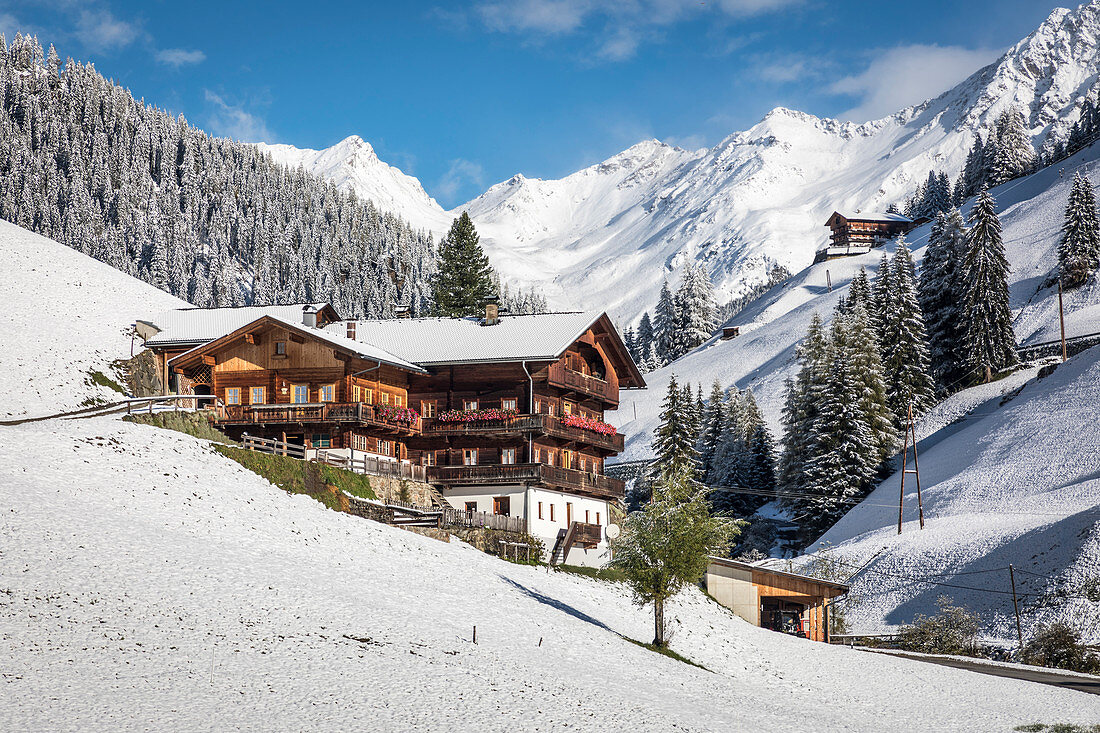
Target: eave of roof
(771, 571)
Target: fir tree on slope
(1079, 248)
(644, 341)
(1015, 154)
(990, 341)
(674, 439)
(464, 277)
(696, 309)
(666, 319)
(903, 343)
(941, 293)
(714, 420)
(801, 408)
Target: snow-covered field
(64, 315)
(149, 583)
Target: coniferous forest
(212, 221)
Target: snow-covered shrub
(952, 631)
(1059, 645)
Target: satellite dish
(612, 531)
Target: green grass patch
(666, 652)
(611, 575)
(302, 477)
(196, 424)
(101, 379)
(1057, 728)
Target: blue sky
(464, 95)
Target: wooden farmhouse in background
(773, 599)
(502, 414)
(859, 233)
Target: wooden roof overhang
(607, 336)
(203, 355)
(828, 588)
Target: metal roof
(364, 350)
(433, 341)
(201, 325)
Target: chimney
(492, 311)
(401, 311)
(309, 316)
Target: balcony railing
(519, 424)
(530, 473)
(316, 412)
(571, 379)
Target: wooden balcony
(587, 535)
(313, 413)
(566, 479)
(584, 384)
(521, 425)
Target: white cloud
(228, 120)
(462, 173)
(784, 69)
(540, 16)
(180, 57)
(99, 30)
(621, 26)
(906, 75)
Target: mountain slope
(763, 356)
(65, 316)
(1007, 483)
(605, 236)
(353, 165)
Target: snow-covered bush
(952, 631)
(1059, 645)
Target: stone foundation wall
(388, 489)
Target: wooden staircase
(578, 533)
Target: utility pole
(910, 430)
(1062, 319)
(1016, 606)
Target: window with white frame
(469, 457)
(509, 403)
(469, 405)
(508, 456)
(427, 409)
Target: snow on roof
(429, 341)
(201, 325)
(875, 216)
(359, 348)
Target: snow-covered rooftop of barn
(431, 341)
(201, 325)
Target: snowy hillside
(1018, 483)
(353, 165)
(65, 315)
(605, 236)
(150, 583)
(762, 357)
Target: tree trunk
(659, 622)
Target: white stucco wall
(733, 588)
(524, 502)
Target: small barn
(774, 599)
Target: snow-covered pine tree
(666, 319)
(859, 291)
(882, 290)
(990, 341)
(903, 343)
(974, 170)
(1079, 248)
(674, 439)
(800, 409)
(1015, 154)
(714, 420)
(940, 292)
(861, 348)
(696, 309)
(644, 342)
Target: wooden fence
(483, 520)
(374, 465)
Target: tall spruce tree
(1015, 154)
(903, 343)
(674, 440)
(800, 409)
(696, 310)
(990, 341)
(644, 340)
(941, 292)
(666, 319)
(714, 420)
(464, 277)
(1079, 248)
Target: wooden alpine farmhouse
(503, 414)
(858, 233)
